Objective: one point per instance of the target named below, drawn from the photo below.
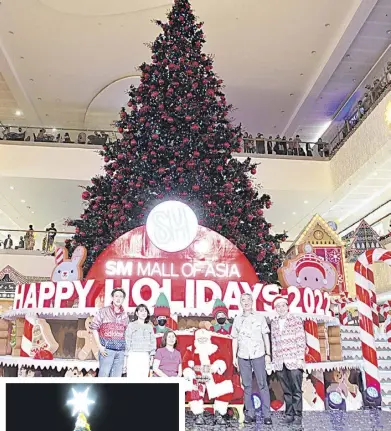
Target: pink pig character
(308, 270)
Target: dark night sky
(43, 406)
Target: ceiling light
(22, 58)
(18, 113)
(283, 222)
(291, 94)
(23, 201)
(306, 202)
(12, 187)
(282, 112)
(54, 130)
(32, 212)
(388, 32)
(294, 213)
(347, 55)
(313, 52)
(39, 98)
(31, 79)
(354, 79)
(301, 74)
(11, 32)
(375, 174)
(327, 25)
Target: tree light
(80, 402)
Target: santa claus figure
(203, 370)
(220, 314)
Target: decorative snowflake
(333, 256)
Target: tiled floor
(312, 421)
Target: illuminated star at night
(80, 402)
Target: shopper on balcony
(30, 238)
(8, 243)
(251, 144)
(270, 145)
(48, 241)
(21, 242)
(260, 144)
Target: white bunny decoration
(69, 269)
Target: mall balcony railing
(259, 147)
(357, 115)
(35, 242)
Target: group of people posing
(130, 348)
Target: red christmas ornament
(196, 187)
(259, 211)
(161, 171)
(196, 154)
(219, 168)
(120, 130)
(85, 195)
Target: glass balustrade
(33, 241)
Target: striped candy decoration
(27, 338)
(364, 289)
(313, 354)
(59, 255)
(312, 340)
(385, 310)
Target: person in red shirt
(108, 327)
(220, 314)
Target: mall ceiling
(287, 66)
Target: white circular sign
(172, 226)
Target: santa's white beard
(205, 349)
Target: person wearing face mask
(288, 349)
(108, 327)
(220, 314)
(162, 313)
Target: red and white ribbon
(27, 338)
(365, 290)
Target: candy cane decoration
(364, 289)
(59, 255)
(313, 354)
(387, 317)
(312, 339)
(27, 338)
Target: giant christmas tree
(82, 423)
(177, 144)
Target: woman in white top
(140, 344)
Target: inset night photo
(92, 407)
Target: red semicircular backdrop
(211, 267)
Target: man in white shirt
(251, 353)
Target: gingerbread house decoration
(10, 278)
(326, 244)
(360, 240)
